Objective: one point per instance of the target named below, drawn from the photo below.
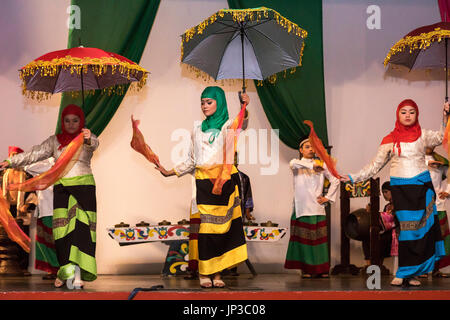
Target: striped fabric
(420, 240)
(216, 239)
(443, 221)
(46, 259)
(74, 226)
(308, 245)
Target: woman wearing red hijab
(420, 239)
(74, 199)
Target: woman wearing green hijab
(216, 238)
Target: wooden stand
(374, 192)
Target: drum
(357, 225)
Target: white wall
(130, 190)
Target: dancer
(438, 167)
(420, 239)
(74, 199)
(308, 244)
(216, 239)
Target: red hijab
(403, 133)
(64, 137)
(13, 149)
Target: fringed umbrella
(243, 44)
(78, 70)
(423, 48)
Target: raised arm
(434, 138)
(37, 153)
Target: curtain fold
(300, 95)
(444, 6)
(119, 26)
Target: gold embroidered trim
(241, 15)
(99, 66)
(420, 42)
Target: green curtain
(298, 96)
(119, 26)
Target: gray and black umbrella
(243, 44)
(423, 48)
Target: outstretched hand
(345, 178)
(164, 171)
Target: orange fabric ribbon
(138, 143)
(320, 150)
(229, 149)
(63, 165)
(11, 227)
(445, 142)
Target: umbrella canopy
(422, 48)
(243, 44)
(79, 69)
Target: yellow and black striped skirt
(216, 239)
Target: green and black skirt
(74, 226)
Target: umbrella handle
(240, 96)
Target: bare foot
(59, 283)
(397, 282)
(205, 281)
(218, 283)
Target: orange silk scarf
(320, 150)
(10, 225)
(138, 143)
(63, 165)
(229, 149)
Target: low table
(177, 236)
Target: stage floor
(244, 286)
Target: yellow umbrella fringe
(200, 74)
(242, 15)
(420, 42)
(120, 89)
(98, 65)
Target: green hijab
(215, 122)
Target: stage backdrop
(122, 28)
(361, 97)
(297, 96)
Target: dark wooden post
(345, 266)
